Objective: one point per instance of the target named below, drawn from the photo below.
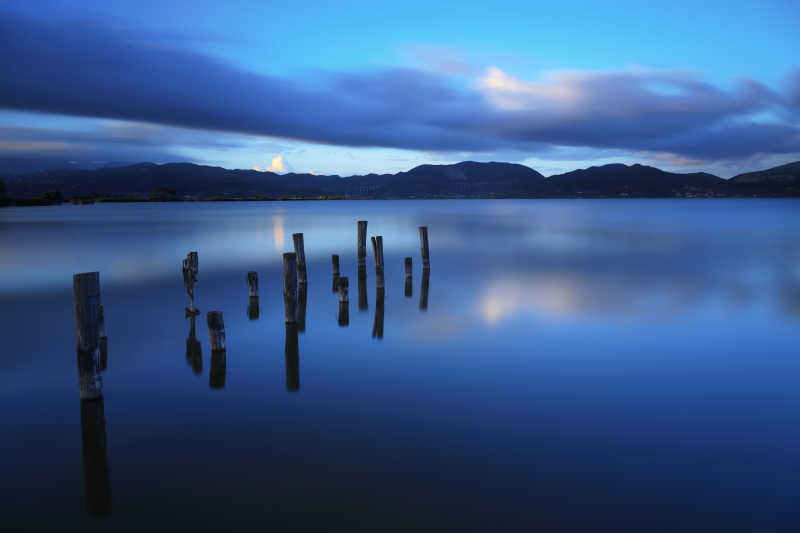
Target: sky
(356, 87)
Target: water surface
(575, 365)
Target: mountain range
(466, 179)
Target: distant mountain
(633, 180)
(466, 179)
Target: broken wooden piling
(252, 283)
(423, 243)
(299, 249)
(362, 242)
(336, 272)
(253, 308)
(344, 302)
(377, 248)
(194, 353)
(216, 330)
(88, 316)
(290, 287)
(363, 304)
(190, 269)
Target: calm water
(629, 365)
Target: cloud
(277, 165)
(82, 69)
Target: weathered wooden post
(363, 304)
(423, 296)
(96, 477)
(292, 350)
(423, 242)
(190, 269)
(344, 301)
(377, 326)
(252, 283)
(336, 273)
(252, 288)
(362, 242)
(300, 251)
(301, 307)
(377, 248)
(86, 300)
(216, 333)
(194, 353)
(407, 291)
(290, 287)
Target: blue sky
(354, 87)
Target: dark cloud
(84, 69)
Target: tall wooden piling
(252, 283)
(299, 249)
(377, 325)
(362, 242)
(408, 289)
(88, 315)
(290, 287)
(336, 272)
(377, 247)
(423, 243)
(292, 351)
(216, 330)
(423, 295)
(190, 270)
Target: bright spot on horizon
(276, 166)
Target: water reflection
(377, 325)
(292, 359)
(219, 363)
(97, 479)
(423, 293)
(194, 355)
(302, 296)
(253, 308)
(363, 304)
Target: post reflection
(302, 296)
(194, 353)
(423, 294)
(363, 305)
(219, 364)
(97, 479)
(253, 308)
(377, 326)
(292, 359)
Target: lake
(576, 365)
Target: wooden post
(290, 287)
(363, 304)
(423, 296)
(252, 283)
(408, 289)
(299, 249)
(377, 245)
(292, 359)
(344, 301)
(103, 339)
(96, 477)
(336, 273)
(86, 300)
(362, 242)
(194, 352)
(190, 269)
(253, 308)
(423, 243)
(216, 330)
(377, 326)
